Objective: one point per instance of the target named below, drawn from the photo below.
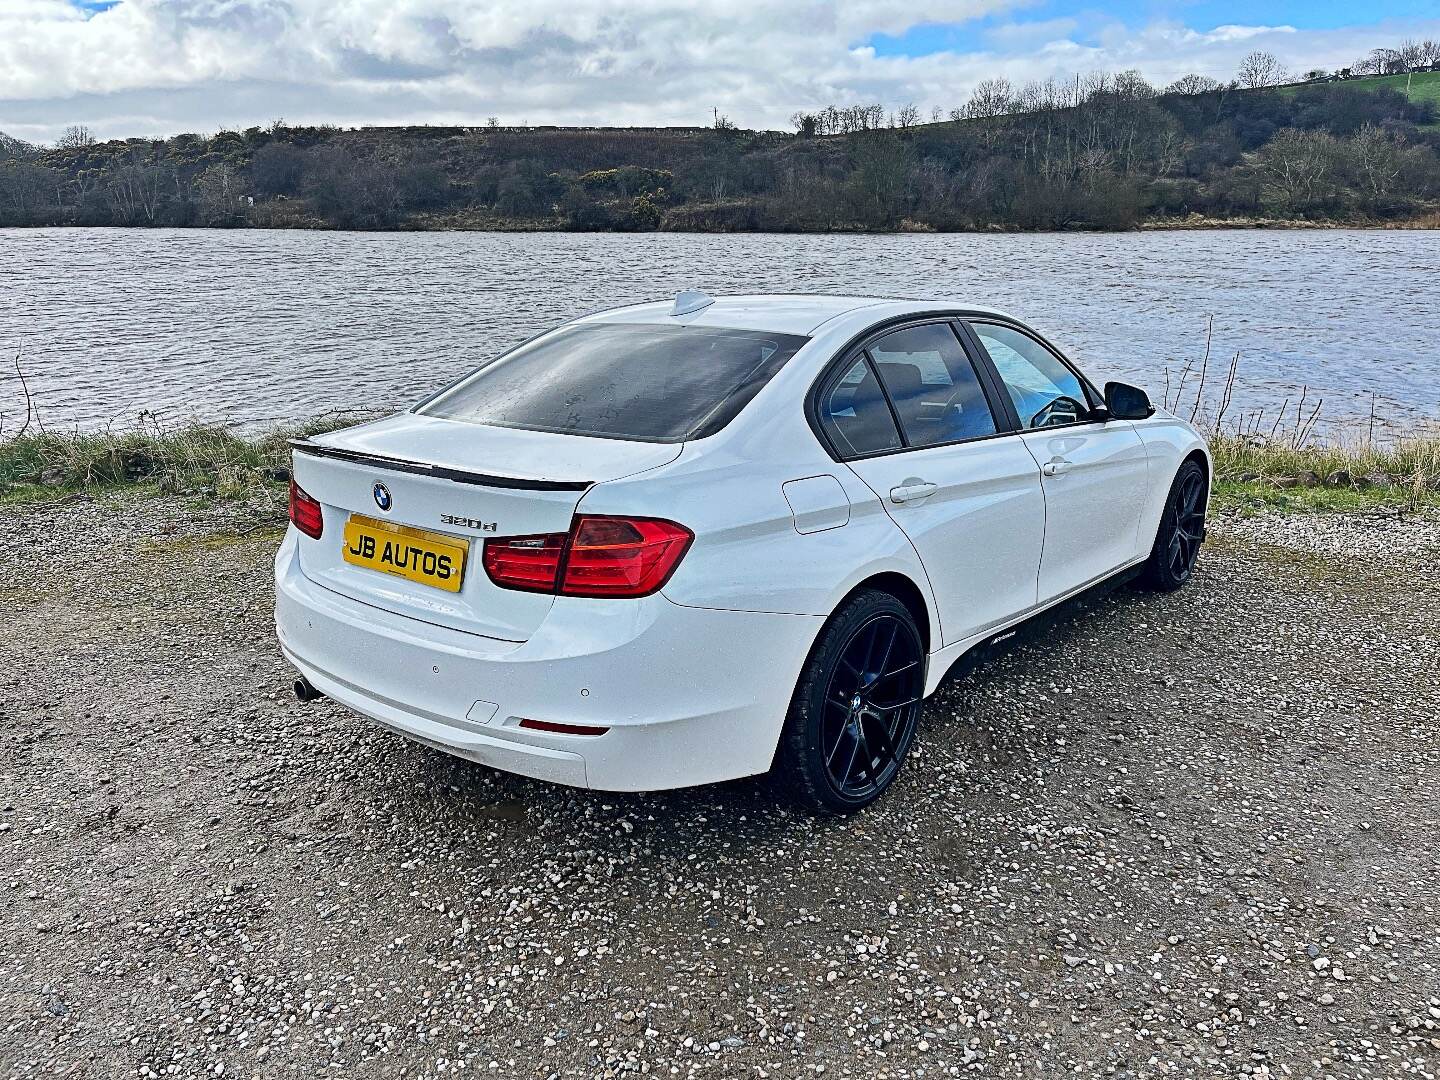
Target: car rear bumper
(689, 695)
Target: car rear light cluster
(305, 512)
(599, 556)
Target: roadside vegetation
(1105, 151)
(1254, 472)
(196, 458)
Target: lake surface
(256, 327)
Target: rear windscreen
(621, 381)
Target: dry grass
(194, 457)
(1256, 453)
(1405, 461)
(1274, 460)
(1402, 476)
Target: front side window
(854, 414)
(932, 385)
(621, 381)
(1045, 391)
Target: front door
(1094, 473)
(913, 421)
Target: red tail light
(530, 563)
(599, 556)
(305, 512)
(613, 556)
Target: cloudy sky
(158, 67)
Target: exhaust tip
(304, 691)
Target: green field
(1423, 86)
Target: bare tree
(1372, 64)
(218, 195)
(992, 97)
(1407, 56)
(75, 137)
(1377, 158)
(137, 189)
(1299, 168)
(1132, 86)
(909, 116)
(1260, 69)
(1193, 84)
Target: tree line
(1104, 151)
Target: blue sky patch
(95, 7)
(1051, 20)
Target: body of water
(256, 327)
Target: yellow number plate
(426, 557)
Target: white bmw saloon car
(685, 542)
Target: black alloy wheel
(855, 709)
(1182, 530)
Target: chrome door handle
(912, 492)
(1054, 468)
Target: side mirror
(1127, 402)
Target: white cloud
(162, 66)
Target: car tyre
(1181, 532)
(853, 715)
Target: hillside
(1110, 153)
(1420, 87)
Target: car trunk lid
(456, 480)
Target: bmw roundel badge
(382, 496)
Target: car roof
(782, 313)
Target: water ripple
(254, 326)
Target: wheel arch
(904, 589)
(1200, 455)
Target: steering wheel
(1061, 411)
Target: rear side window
(621, 381)
(932, 385)
(854, 414)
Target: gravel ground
(1191, 834)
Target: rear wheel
(1182, 530)
(853, 716)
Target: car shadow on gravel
(752, 810)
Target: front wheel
(853, 716)
(1182, 530)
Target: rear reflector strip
(562, 729)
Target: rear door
(912, 417)
(1095, 474)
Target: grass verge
(1255, 474)
(197, 458)
(1252, 474)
